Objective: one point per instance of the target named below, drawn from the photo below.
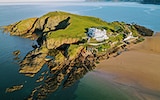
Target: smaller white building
(130, 36)
(99, 35)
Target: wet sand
(137, 69)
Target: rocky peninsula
(66, 46)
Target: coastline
(11, 43)
(71, 56)
(138, 68)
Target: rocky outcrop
(51, 20)
(33, 27)
(33, 61)
(143, 30)
(55, 43)
(14, 88)
(23, 28)
(16, 53)
(64, 72)
(52, 23)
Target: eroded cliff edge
(67, 49)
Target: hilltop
(70, 45)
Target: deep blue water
(85, 89)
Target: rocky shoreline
(70, 57)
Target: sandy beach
(137, 68)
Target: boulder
(16, 53)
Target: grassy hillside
(78, 26)
(58, 28)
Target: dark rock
(41, 78)
(14, 88)
(34, 46)
(143, 30)
(16, 53)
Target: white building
(99, 35)
(130, 36)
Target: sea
(90, 87)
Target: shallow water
(86, 88)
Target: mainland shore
(138, 68)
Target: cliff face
(54, 43)
(51, 23)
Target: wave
(92, 9)
(152, 11)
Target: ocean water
(88, 88)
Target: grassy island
(71, 45)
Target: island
(70, 45)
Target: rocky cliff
(143, 30)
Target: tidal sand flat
(138, 68)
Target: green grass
(140, 39)
(59, 57)
(134, 31)
(74, 51)
(25, 24)
(77, 26)
(103, 47)
(119, 37)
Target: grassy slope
(26, 24)
(77, 27)
(78, 24)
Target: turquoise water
(86, 88)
